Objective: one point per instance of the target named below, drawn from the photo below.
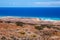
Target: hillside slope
(28, 29)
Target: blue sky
(29, 3)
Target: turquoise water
(50, 19)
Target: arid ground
(28, 29)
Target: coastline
(41, 18)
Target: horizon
(30, 8)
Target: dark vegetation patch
(1, 21)
(39, 27)
(56, 28)
(8, 22)
(43, 26)
(20, 23)
(14, 38)
(22, 32)
(3, 38)
(48, 26)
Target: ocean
(40, 12)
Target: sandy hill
(28, 29)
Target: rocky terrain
(28, 29)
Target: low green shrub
(19, 23)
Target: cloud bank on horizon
(29, 3)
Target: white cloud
(31, 4)
(47, 3)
